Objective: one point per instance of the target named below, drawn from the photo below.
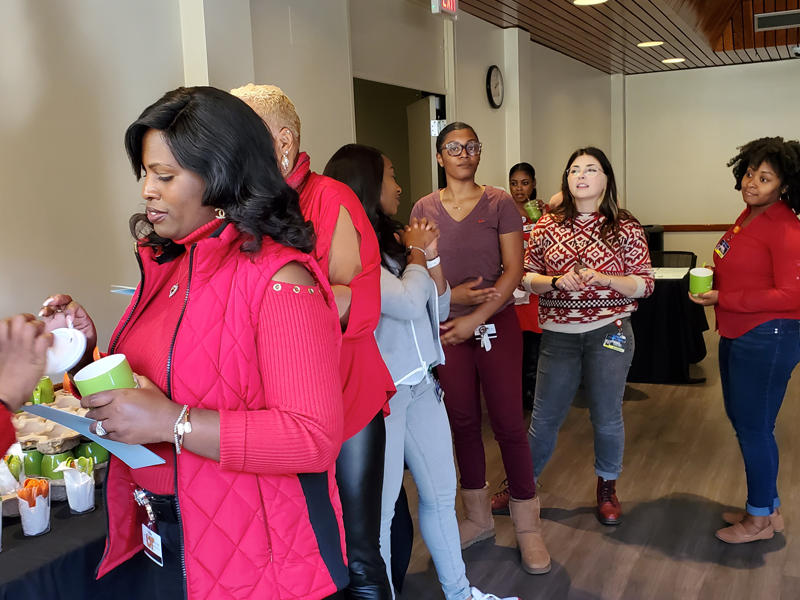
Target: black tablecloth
(669, 334)
(60, 565)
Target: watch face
(494, 87)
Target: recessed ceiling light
(587, 2)
(670, 61)
(649, 44)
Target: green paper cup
(43, 394)
(701, 280)
(33, 462)
(92, 450)
(51, 461)
(109, 373)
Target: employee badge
(615, 341)
(485, 333)
(722, 248)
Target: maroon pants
(498, 372)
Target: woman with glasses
(588, 260)
(480, 248)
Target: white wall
(229, 43)
(398, 42)
(303, 47)
(684, 126)
(479, 45)
(571, 110)
(73, 76)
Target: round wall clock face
(495, 90)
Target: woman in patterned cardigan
(588, 260)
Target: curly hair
(609, 206)
(783, 156)
(221, 139)
(361, 169)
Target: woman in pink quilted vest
(233, 330)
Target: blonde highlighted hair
(272, 105)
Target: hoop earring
(220, 213)
(285, 163)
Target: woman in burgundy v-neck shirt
(481, 254)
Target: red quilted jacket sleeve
(298, 357)
(7, 433)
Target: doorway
(396, 120)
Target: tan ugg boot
(528, 529)
(478, 524)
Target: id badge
(485, 333)
(437, 389)
(615, 341)
(152, 545)
(722, 248)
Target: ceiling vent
(787, 19)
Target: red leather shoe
(501, 499)
(609, 511)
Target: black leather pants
(359, 473)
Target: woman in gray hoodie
(415, 298)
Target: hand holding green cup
(701, 280)
(110, 373)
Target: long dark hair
(783, 156)
(220, 138)
(609, 206)
(526, 168)
(361, 168)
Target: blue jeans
(755, 369)
(418, 432)
(565, 359)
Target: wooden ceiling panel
(704, 32)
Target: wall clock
(495, 89)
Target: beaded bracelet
(181, 428)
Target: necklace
(174, 289)
(580, 264)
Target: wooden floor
(682, 470)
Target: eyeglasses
(455, 148)
(588, 172)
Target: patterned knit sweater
(556, 248)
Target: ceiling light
(670, 61)
(649, 44)
(587, 2)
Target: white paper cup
(67, 350)
(36, 520)
(80, 491)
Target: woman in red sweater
(233, 330)
(23, 348)
(347, 250)
(756, 298)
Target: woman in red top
(756, 298)
(347, 250)
(23, 347)
(232, 329)
(522, 184)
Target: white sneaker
(479, 595)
